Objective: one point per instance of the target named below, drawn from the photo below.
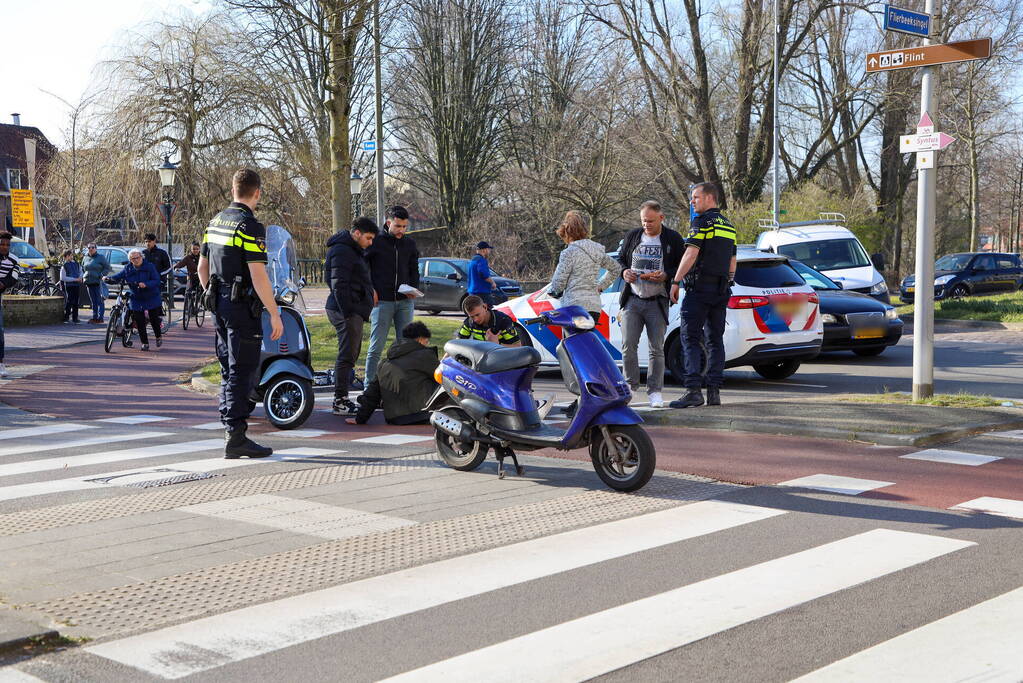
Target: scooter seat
(487, 358)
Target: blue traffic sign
(369, 146)
(907, 21)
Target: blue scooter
(485, 400)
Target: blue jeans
(98, 305)
(1, 334)
(387, 314)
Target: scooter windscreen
(282, 267)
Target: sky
(54, 45)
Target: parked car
(117, 257)
(28, 256)
(958, 275)
(831, 249)
(852, 321)
(772, 322)
(444, 281)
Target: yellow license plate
(789, 307)
(910, 290)
(869, 333)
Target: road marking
(395, 439)
(63, 462)
(208, 643)
(299, 516)
(593, 645)
(307, 433)
(41, 431)
(135, 419)
(836, 484)
(951, 457)
(11, 675)
(1002, 507)
(94, 441)
(1014, 434)
(981, 643)
(94, 481)
(791, 384)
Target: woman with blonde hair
(575, 281)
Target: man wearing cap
(481, 280)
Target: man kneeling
(404, 381)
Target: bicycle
(121, 323)
(193, 308)
(165, 321)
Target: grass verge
(1001, 308)
(324, 342)
(960, 400)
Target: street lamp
(356, 185)
(167, 171)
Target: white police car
(773, 321)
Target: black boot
(713, 396)
(241, 446)
(692, 399)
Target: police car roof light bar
(826, 218)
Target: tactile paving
(213, 590)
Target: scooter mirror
(301, 282)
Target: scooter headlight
(287, 298)
(582, 322)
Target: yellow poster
(22, 215)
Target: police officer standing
(232, 270)
(707, 272)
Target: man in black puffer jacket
(393, 261)
(350, 301)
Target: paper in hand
(406, 289)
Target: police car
(773, 321)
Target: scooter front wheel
(457, 454)
(623, 456)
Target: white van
(831, 248)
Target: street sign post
(929, 55)
(22, 212)
(907, 21)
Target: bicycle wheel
(200, 314)
(129, 328)
(46, 289)
(108, 342)
(165, 322)
(187, 312)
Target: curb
(979, 324)
(928, 438)
(17, 632)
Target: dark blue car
(852, 321)
(959, 275)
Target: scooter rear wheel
(456, 454)
(627, 461)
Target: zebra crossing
(620, 597)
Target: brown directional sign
(911, 57)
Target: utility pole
(923, 297)
(774, 183)
(379, 113)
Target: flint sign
(928, 55)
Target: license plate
(869, 333)
(789, 307)
(910, 290)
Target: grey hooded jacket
(575, 278)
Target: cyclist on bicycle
(144, 282)
(191, 263)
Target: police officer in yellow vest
(707, 272)
(232, 271)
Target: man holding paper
(394, 267)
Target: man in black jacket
(159, 258)
(649, 256)
(393, 261)
(405, 381)
(350, 301)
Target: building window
(15, 178)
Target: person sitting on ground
(144, 281)
(404, 380)
(484, 324)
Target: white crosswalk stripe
(33, 447)
(591, 646)
(981, 643)
(43, 430)
(212, 642)
(26, 466)
(951, 457)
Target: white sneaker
(3, 370)
(656, 401)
